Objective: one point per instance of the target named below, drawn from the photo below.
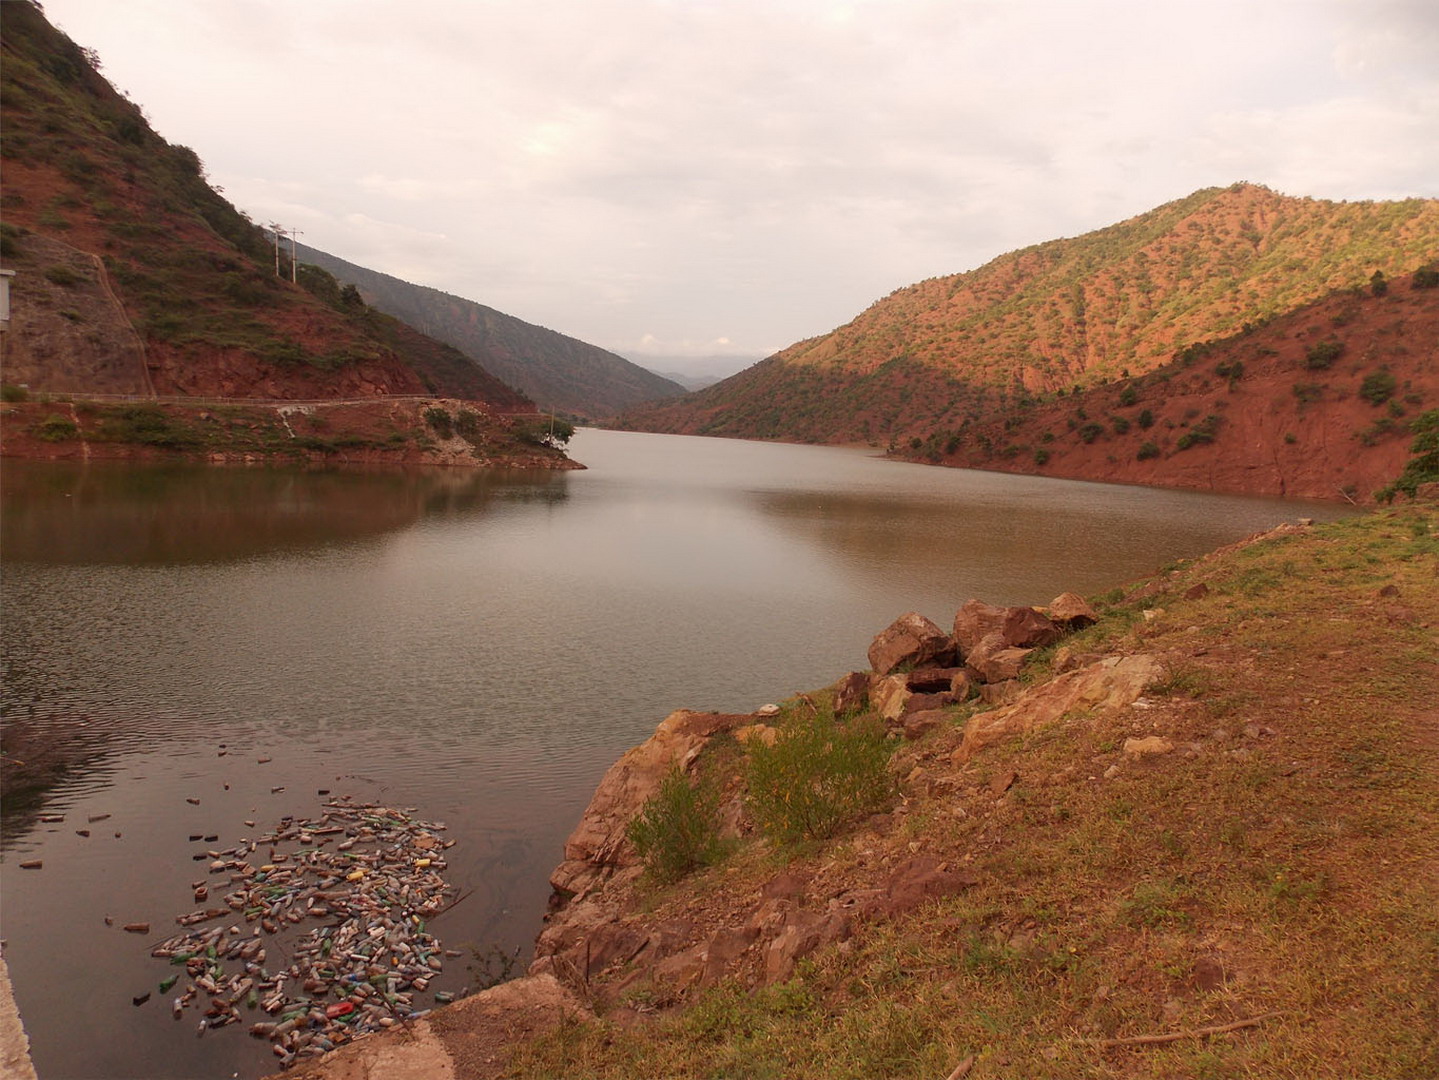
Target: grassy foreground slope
(1261, 900)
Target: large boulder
(910, 640)
(1025, 628)
(1072, 612)
(994, 660)
(1021, 627)
(974, 622)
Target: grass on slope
(1279, 866)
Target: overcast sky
(696, 177)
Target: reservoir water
(478, 646)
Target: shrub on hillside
(63, 276)
(1090, 431)
(438, 421)
(1147, 451)
(1202, 432)
(1423, 467)
(57, 428)
(1378, 387)
(1322, 354)
(1426, 277)
(677, 828)
(818, 775)
(1145, 419)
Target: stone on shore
(910, 640)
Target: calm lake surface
(479, 647)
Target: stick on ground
(1197, 1033)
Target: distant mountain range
(1070, 313)
(559, 372)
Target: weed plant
(677, 828)
(818, 774)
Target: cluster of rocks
(918, 670)
(371, 874)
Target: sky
(699, 183)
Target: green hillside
(559, 372)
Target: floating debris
(52, 819)
(370, 875)
(193, 802)
(82, 832)
(137, 927)
(96, 817)
(32, 864)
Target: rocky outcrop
(598, 848)
(594, 935)
(1109, 683)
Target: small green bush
(1090, 431)
(1041, 456)
(1378, 387)
(1423, 467)
(1202, 432)
(677, 828)
(1322, 354)
(1145, 419)
(1120, 424)
(1129, 395)
(57, 428)
(438, 421)
(1147, 451)
(63, 276)
(11, 392)
(1426, 277)
(818, 775)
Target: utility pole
(277, 231)
(294, 274)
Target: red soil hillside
(1317, 403)
(1070, 312)
(133, 275)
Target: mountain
(690, 382)
(134, 275)
(1320, 402)
(1073, 312)
(559, 372)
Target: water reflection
(478, 645)
(106, 513)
